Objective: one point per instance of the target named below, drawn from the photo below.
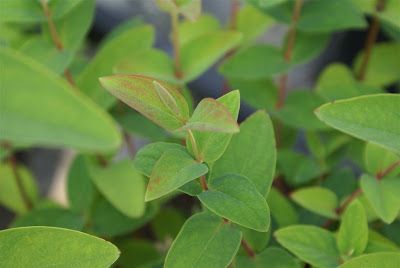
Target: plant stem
(247, 248)
(175, 43)
(203, 183)
(386, 171)
(130, 144)
(288, 52)
(24, 195)
(370, 41)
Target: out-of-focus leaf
(378, 159)
(380, 243)
(381, 259)
(136, 253)
(282, 211)
(342, 182)
(272, 257)
(167, 223)
(308, 46)
(190, 30)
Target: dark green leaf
(282, 211)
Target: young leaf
(272, 257)
(140, 93)
(205, 240)
(372, 118)
(48, 246)
(147, 157)
(10, 195)
(380, 243)
(308, 46)
(190, 30)
(236, 198)
(41, 109)
(381, 259)
(174, 169)
(251, 64)
(211, 115)
(353, 232)
(200, 53)
(251, 153)
(318, 200)
(212, 145)
(282, 210)
(123, 47)
(311, 244)
(383, 195)
(122, 186)
(377, 159)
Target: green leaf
(265, 4)
(213, 243)
(381, 259)
(272, 257)
(211, 115)
(167, 223)
(383, 195)
(251, 63)
(150, 62)
(311, 244)
(200, 53)
(390, 13)
(378, 159)
(190, 30)
(318, 200)
(256, 240)
(352, 238)
(122, 47)
(50, 246)
(322, 16)
(383, 67)
(298, 110)
(282, 211)
(147, 157)
(10, 195)
(251, 153)
(342, 182)
(372, 118)
(174, 169)
(142, 94)
(55, 217)
(236, 198)
(31, 11)
(80, 189)
(41, 109)
(122, 186)
(252, 23)
(109, 222)
(380, 243)
(308, 46)
(212, 145)
(136, 253)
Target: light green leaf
(55, 217)
(147, 157)
(308, 46)
(252, 23)
(236, 198)
(150, 62)
(41, 109)
(378, 159)
(319, 200)
(383, 67)
(390, 13)
(272, 257)
(213, 243)
(140, 93)
(282, 211)
(50, 246)
(298, 110)
(212, 145)
(190, 30)
(383, 195)
(380, 243)
(122, 186)
(352, 238)
(211, 115)
(251, 63)
(381, 259)
(10, 195)
(372, 118)
(174, 169)
(122, 47)
(199, 54)
(311, 244)
(251, 153)
(268, 3)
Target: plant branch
(18, 179)
(130, 144)
(370, 41)
(247, 248)
(381, 174)
(175, 43)
(289, 50)
(203, 183)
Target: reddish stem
(247, 248)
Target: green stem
(175, 43)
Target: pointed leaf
(237, 199)
(174, 169)
(311, 244)
(140, 93)
(372, 118)
(282, 211)
(381, 259)
(251, 153)
(41, 109)
(213, 243)
(50, 246)
(190, 30)
(377, 159)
